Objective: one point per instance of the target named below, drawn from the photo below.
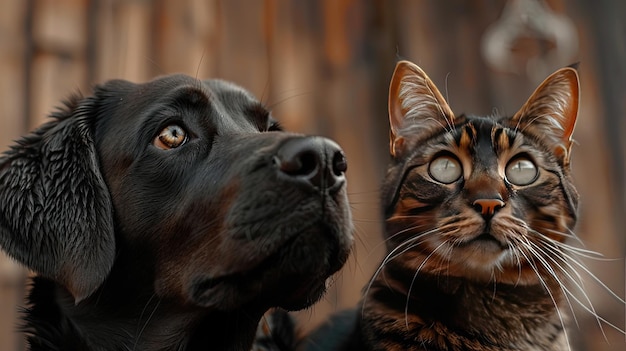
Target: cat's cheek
(553, 222)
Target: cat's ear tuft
(551, 111)
(415, 106)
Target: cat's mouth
(486, 240)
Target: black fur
(276, 332)
(138, 247)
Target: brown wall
(324, 68)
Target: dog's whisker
(273, 105)
(200, 63)
(145, 324)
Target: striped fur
(459, 274)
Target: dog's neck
(142, 322)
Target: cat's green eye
(521, 171)
(445, 169)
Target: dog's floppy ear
(55, 208)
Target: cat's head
(480, 197)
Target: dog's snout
(314, 160)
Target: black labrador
(169, 215)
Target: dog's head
(192, 181)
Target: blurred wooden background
(324, 68)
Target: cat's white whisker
(406, 307)
(405, 246)
(539, 253)
(393, 236)
(558, 248)
(579, 286)
(409, 229)
(597, 280)
(590, 254)
(569, 235)
(543, 283)
(513, 249)
(589, 308)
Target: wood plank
(123, 41)
(12, 71)
(13, 123)
(242, 51)
(293, 68)
(186, 37)
(58, 63)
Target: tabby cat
(477, 210)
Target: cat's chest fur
(453, 314)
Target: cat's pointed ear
(551, 111)
(415, 106)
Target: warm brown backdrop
(324, 68)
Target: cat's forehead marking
(467, 136)
(500, 138)
(482, 133)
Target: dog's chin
(294, 277)
(231, 294)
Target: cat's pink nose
(488, 207)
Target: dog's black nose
(315, 160)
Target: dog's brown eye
(170, 137)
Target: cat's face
(483, 198)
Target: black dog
(169, 216)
